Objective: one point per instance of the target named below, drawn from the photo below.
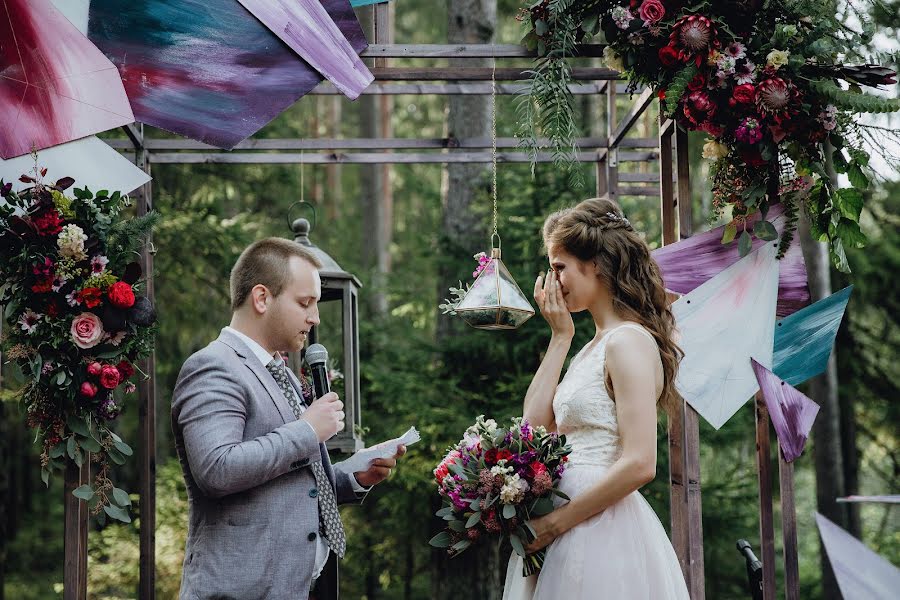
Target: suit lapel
(261, 373)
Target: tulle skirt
(621, 554)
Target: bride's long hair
(596, 231)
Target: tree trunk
(464, 232)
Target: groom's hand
(326, 415)
(379, 470)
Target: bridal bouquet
(76, 322)
(496, 479)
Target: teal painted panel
(804, 339)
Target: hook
(301, 203)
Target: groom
(262, 491)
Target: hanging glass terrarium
(494, 301)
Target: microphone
(316, 358)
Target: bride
(606, 542)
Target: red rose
(651, 11)
(504, 455)
(88, 389)
(47, 222)
(42, 287)
(744, 93)
(109, 377)
(121, 295)
(490, 457)
(668, 56)
(698, 82)
(94, 369)
(536, 468)
(90, 297)
(126, 369)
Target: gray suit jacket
(254, 514)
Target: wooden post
(146, 403)
(789, 529)
(766, 522)
(76, 529)
(612, 152)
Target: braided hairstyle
(596, 231)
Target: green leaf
(10, 310)
(441, 540)
(857, 178)
(84, 492)
(744, 244)
(849, 232)
(473, 520)
(444, 512)
(509, 511)
(119, 514)
(79, 457)
(79, 426)
(839, 257)
(730, 233)
(71, 447)
(461, 545)
(457, 526)
(58, 450)
(120, 497)
(542, 506)
(850, 203)
(765, 231)
(89, 444)
(123, 448)
(540, 27)
(517, 545)
(678, 86)
(45, 476)
(115, 456)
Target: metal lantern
(495, 301)
(341, 288)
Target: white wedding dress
(621, 554)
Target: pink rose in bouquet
(86, 330)
(496, 479)
(651, 11)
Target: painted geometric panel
(55, 85)
(689, 262)
(803, 340)
(861, 573)
(305, 26)
(206, 69)
(721, 325)
(90, 161)
(791, 412)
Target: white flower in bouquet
(513, 490)
(71, 242)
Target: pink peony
(109, 376)
(86, 330)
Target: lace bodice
(584, 411)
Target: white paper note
(362, 459)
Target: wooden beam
(622, 129)
(456, 89)
(467, 51)
(482, 74)
(612, 159)
(683, 192)
(789, 529)
(75, 531)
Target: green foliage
(679, 84)
(858, 101)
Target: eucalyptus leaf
(123, 448)
(744, 244)
(509, 511)
(457, 526)
(83, 492)
(58, 450)
(90, 444)
(542, 506)
(71, 447)
(45, 476)
(121, 497)
(730, 233)
(115, 456)
(119, 514)
(441, 540)
(473, 519)
(78, 426)
(461, 545)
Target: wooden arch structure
(607, 152)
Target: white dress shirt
(265, 358)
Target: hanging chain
(494, 146)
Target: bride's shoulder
(631, 342)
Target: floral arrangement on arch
(770, 82)
(75, 322)
(496, 479)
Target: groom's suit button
(313, 493)
(312, 536)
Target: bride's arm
(633, 363)
(538, 409)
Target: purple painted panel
(861, 573)
(306, 27)
(55, 85)
(792, 413)
(692, 261)
(206, 69)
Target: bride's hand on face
(549, 298)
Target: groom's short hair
(265, 262)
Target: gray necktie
(329, 517)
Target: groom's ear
(258, 298)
